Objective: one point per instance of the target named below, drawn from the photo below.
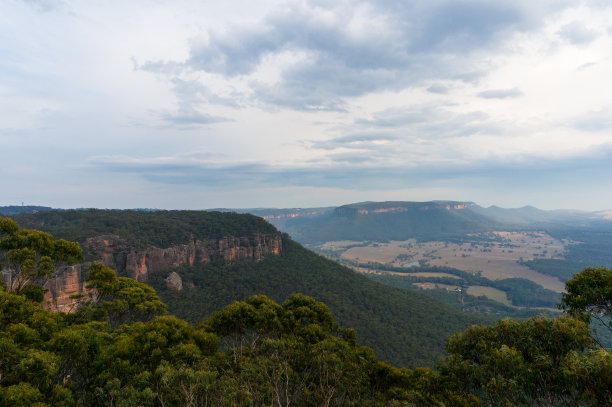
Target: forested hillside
(119, 349)
(396, 323)
(384, 221)
(145, 228)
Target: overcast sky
(202, 104)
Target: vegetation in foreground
(119, 349)
(395, 323)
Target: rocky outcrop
(114, 252)
(66, 289)
(174, 282)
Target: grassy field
(489, 292)
(425, 274)
(497, 255)
(431, 286)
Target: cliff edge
(115, 252)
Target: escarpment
(114, 252)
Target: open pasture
(489, 292)
(496, 255)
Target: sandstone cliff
(113, 252)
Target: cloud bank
(412, 100)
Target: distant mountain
(433, 220)
(15, 209)
(225, 257)
(383, 221)
(529, 215)
(279, 217)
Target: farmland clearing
(494, 255)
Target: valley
(494, 255)
(401, 263)
(222, 257)
(502, 261)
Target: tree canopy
(589, 295)
(121, 349)
(30, 257)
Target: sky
(183, 104)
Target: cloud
(460, 26)
(357, 171)
(595, 121)
(348, 49)
(439, 89)
(46, 5)
(190, 118)
(430, 121)
(354, 141)
(193, 92)
(577, 34)
(586, 66)
(500, 94)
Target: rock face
(64, 288)
(174, 282)
(114, 252)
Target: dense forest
(395, 323)
(120, 348)
(145, 228)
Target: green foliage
(395, 323)
(116, 351)
(118, 300)
(591, 373)
(284, 354)
(591, 246)
(31, 256)
(28, 371)
(145, 228)
(519, 363)
(562, 269)
(521, 292)
(461, 301)
(589, 295)
(21, 395)
(295, 354)
(526, 293)
(289, 354)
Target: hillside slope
(384, 221)
(404, 328)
